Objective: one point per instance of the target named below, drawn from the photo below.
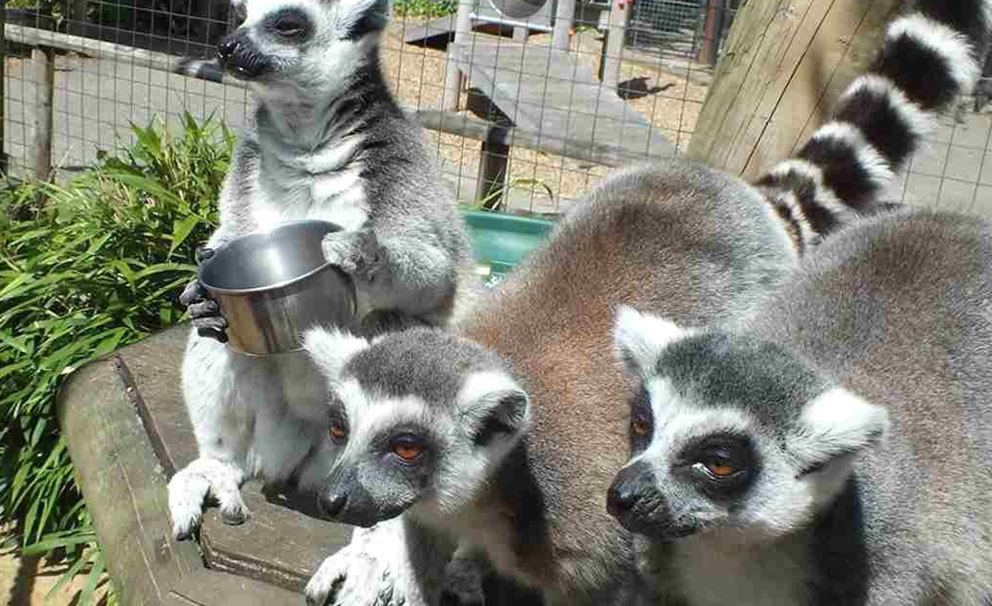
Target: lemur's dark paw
(204, 312)
(212, 328)
(204, 308)
(236, 517)
(193, 292)
(202, 253)
(357, 253)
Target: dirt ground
(672, 105)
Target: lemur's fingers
(204, 308)
(339, 250)
(357, 253)
(233, 510)
(202, 253)
(325, 583)
(194, 291)
(218, 323)
(191, 486)
(211, 333)
(211, 327)
(187, 491)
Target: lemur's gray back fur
(902, 307)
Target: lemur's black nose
(631, 485)
(333, 504)
(227, 47)
(621, 498)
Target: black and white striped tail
(930, 56)
(200, 68)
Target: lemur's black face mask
(240, 54)
(240, 57)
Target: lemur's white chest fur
(717, 571)
(325, 184)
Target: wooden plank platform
(127, 430)
(545, 91)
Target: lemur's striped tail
(205, 69)
(929, 57)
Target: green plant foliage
(428, 9)
(98, 265)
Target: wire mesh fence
(954, 170)
(526, 104)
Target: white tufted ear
(331, 348)
(834, 429)
(494, 405)
(639, 339)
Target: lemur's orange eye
(407, 448)
(719, 470)
(338, 432)
(640, 427)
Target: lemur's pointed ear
(492, 406)
(331, 348)
(639, 339)
(835, 428)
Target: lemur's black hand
(204, 311)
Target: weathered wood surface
(124, 483)
(44, 92)
(545, 91)
(126, 429)
(785, 64)
(426, 32)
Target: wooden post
(3, 86)
(709, 52)
(76, 12)
(785, 64)
(562, 30)
(616, 32)
(44, 92)
(493, 168)
(453, 76)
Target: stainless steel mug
(272, 286)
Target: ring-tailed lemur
(506, 436)
(829, 449)
(328, 142)
(833, 449)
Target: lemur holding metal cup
(328, 144)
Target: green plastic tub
(500, 242)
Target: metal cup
(272, 286)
